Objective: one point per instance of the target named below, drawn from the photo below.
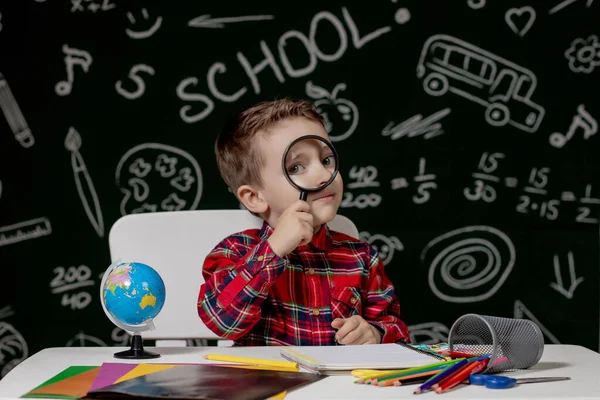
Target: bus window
(524, 87)
(457, 58)
(438, 52)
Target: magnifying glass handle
(303, 195)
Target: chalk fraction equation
(425, 183)
(70, 283)
(361, 178)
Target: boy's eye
(328, 160)
(295, 169)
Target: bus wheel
(435, 84)
(497, 114)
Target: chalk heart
(520, 20)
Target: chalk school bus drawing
(448, 64)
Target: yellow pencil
(252, 361)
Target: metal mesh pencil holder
(511, 343)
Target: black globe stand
(136, 352)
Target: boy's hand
(294, 228)
(355, 330)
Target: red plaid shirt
(256, 298)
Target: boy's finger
(300, 205)
(350, 325)
(353, 337)
(338, 323)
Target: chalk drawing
(83, 182)
(77, 5)
(428, 333)
(402, 16)
(383, 245)
(417, 126)
(13, 115)
(157, 177)
(120, 337)
(574, 281)
(73, 57)
(83, 340)
(31, 229)
(341, 115)
(149, 30)
(521, 312)
(139, 82)
(362, 177)
(476, 4)
(13, 347)
(584, 54)
(0, 189)
(502, 87)
(1, 22)
(468, 264)
(69, 282)
(514, 16)
(204, 21)
(565, 3)
(582, 120)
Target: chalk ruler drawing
(341, 115)
(140, 84)
(69, 280)
(448, 64)
(147, 31)
(469, 264)
(83, 181)
(428, 333)
(429, 127)
(204, 21)
(31, 229)
(13, 115)
(83, 340)
(73, 57)
(565, 3)
(147, 171)
(520, 311)
(582, 120)
(476, 4)
(13, 347)
(514, 16)
(383, 245)
(574, 281)
(584, 54)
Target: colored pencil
(440, 376)
(414, 369)
(410, 372)
(390, 381)
(472, 368)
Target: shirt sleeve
(237, 280)
(382, 308)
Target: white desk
(581, 364)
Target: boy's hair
(238, 157)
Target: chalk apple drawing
(341, 115)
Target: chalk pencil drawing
(574, 281)
(428, 333)
(520, 311)
(584, 54)
(204, 21)
(146, 31)
(83, 182)
(383, 245)
(429, 127)
(566, 3)
(476, 4)
(13, 115)
(582, 120)
(448, 64)
(1, 22)
(157, 177)
(73, 57)
(83, 340)
(514, 16)
(26, 230)
(13, 347)
(139, 82)
(468, 264)
(341, 115)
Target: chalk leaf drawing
(469, 264)
(73, 57)
(204, 21)
(83, 181)
(139, 82)
(428, 333)
(520, 311)
(147, 30)
(584, 54)
(157, 177)
(13, 115)
(13, 347)
(383, 245)
(341, 115)
(520, 20)
(417, 126)
(448, 64)
(574, 281)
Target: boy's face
(314, 167)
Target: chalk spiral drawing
(469, 264)
(148, 30)
(383, 245)
(573, 279)
(502, 87)
(13, 115)
(204, 21)
(83, 340)
(514, 16)
(18, 232)
(582, 120)
(520, 311)
(13, 347)
(140, 84)
(428, 333)
(73, 57)
(565, 3)
(584, 54)
(476, 4)
(341, 115)
(417, 126)
(147, 171)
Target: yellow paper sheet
(144, 369)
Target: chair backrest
(175, 245)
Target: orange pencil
(390, 382)
(461, 375)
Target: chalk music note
(72, 57)
(583, 120)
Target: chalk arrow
(558, 285)
(204, 21)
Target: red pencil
(457, 354)
(463, 374)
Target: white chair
(175, 245)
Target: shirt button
(311, 271)
(260, 258)
(353, 300)
(315, 312)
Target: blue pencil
(438, 377)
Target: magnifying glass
(310, 164)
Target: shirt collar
(321, 240)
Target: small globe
(132, 295)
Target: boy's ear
(252, 200)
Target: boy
(294, 281)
